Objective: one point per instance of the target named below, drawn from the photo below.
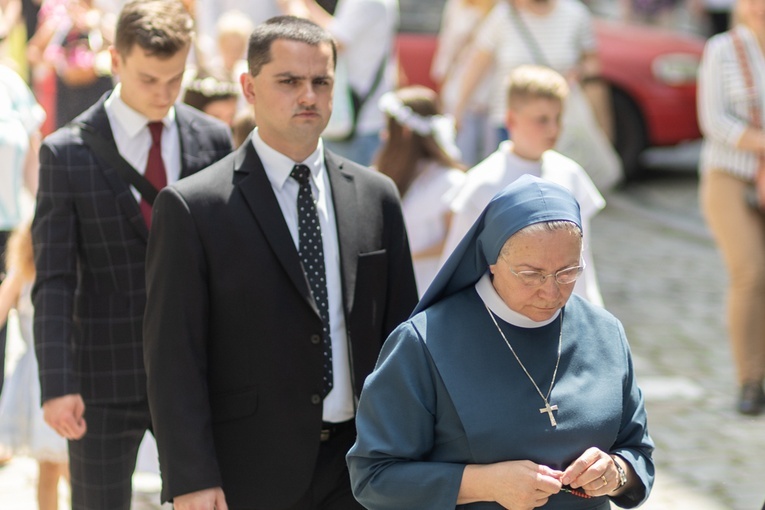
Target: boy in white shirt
(535, 103)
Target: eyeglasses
(565, 276)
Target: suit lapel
(260, 198)
(97, 119)
(190, 139)
(345, 200)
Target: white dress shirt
(133, 139)
(338, 404)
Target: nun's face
(546, 252)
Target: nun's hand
(516, 485)
(594, 472)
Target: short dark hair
(284, 27)
(160, 27)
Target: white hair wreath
(209, 86)
(441, 127)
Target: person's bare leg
(47, 483)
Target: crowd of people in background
(518, 92)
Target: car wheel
(629, 129)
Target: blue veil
(526, 201)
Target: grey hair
(544, 226)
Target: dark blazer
(90, 248)
(233, 352)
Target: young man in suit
(90, 233)
(274, 276)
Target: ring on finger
(605, 480)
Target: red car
(652, 74)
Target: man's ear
(116, 60)
(509, 120)
(248, 90)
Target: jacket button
(315, 399)
(315, 339)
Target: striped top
(564, 36)
(724, 103)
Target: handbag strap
(755, 110)
(360, 100)
(528, 38)
(465, 46)
(755, 107)
(107, 151)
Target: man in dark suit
(90, 233)
(258, 341)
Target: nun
(505, 390)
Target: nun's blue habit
(448, 392)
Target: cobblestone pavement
(662, 276)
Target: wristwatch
(622, 475)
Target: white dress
(424, 206)
(22, 429)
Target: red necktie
(155, 168)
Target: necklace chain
(555, 372)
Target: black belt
(330, 430)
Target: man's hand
(208, 499)
(65, 416)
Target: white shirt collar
(280, 166)
(493, 300)
(130, 120)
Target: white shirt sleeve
(353, 19)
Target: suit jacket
(90, 247)
(233, 350)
